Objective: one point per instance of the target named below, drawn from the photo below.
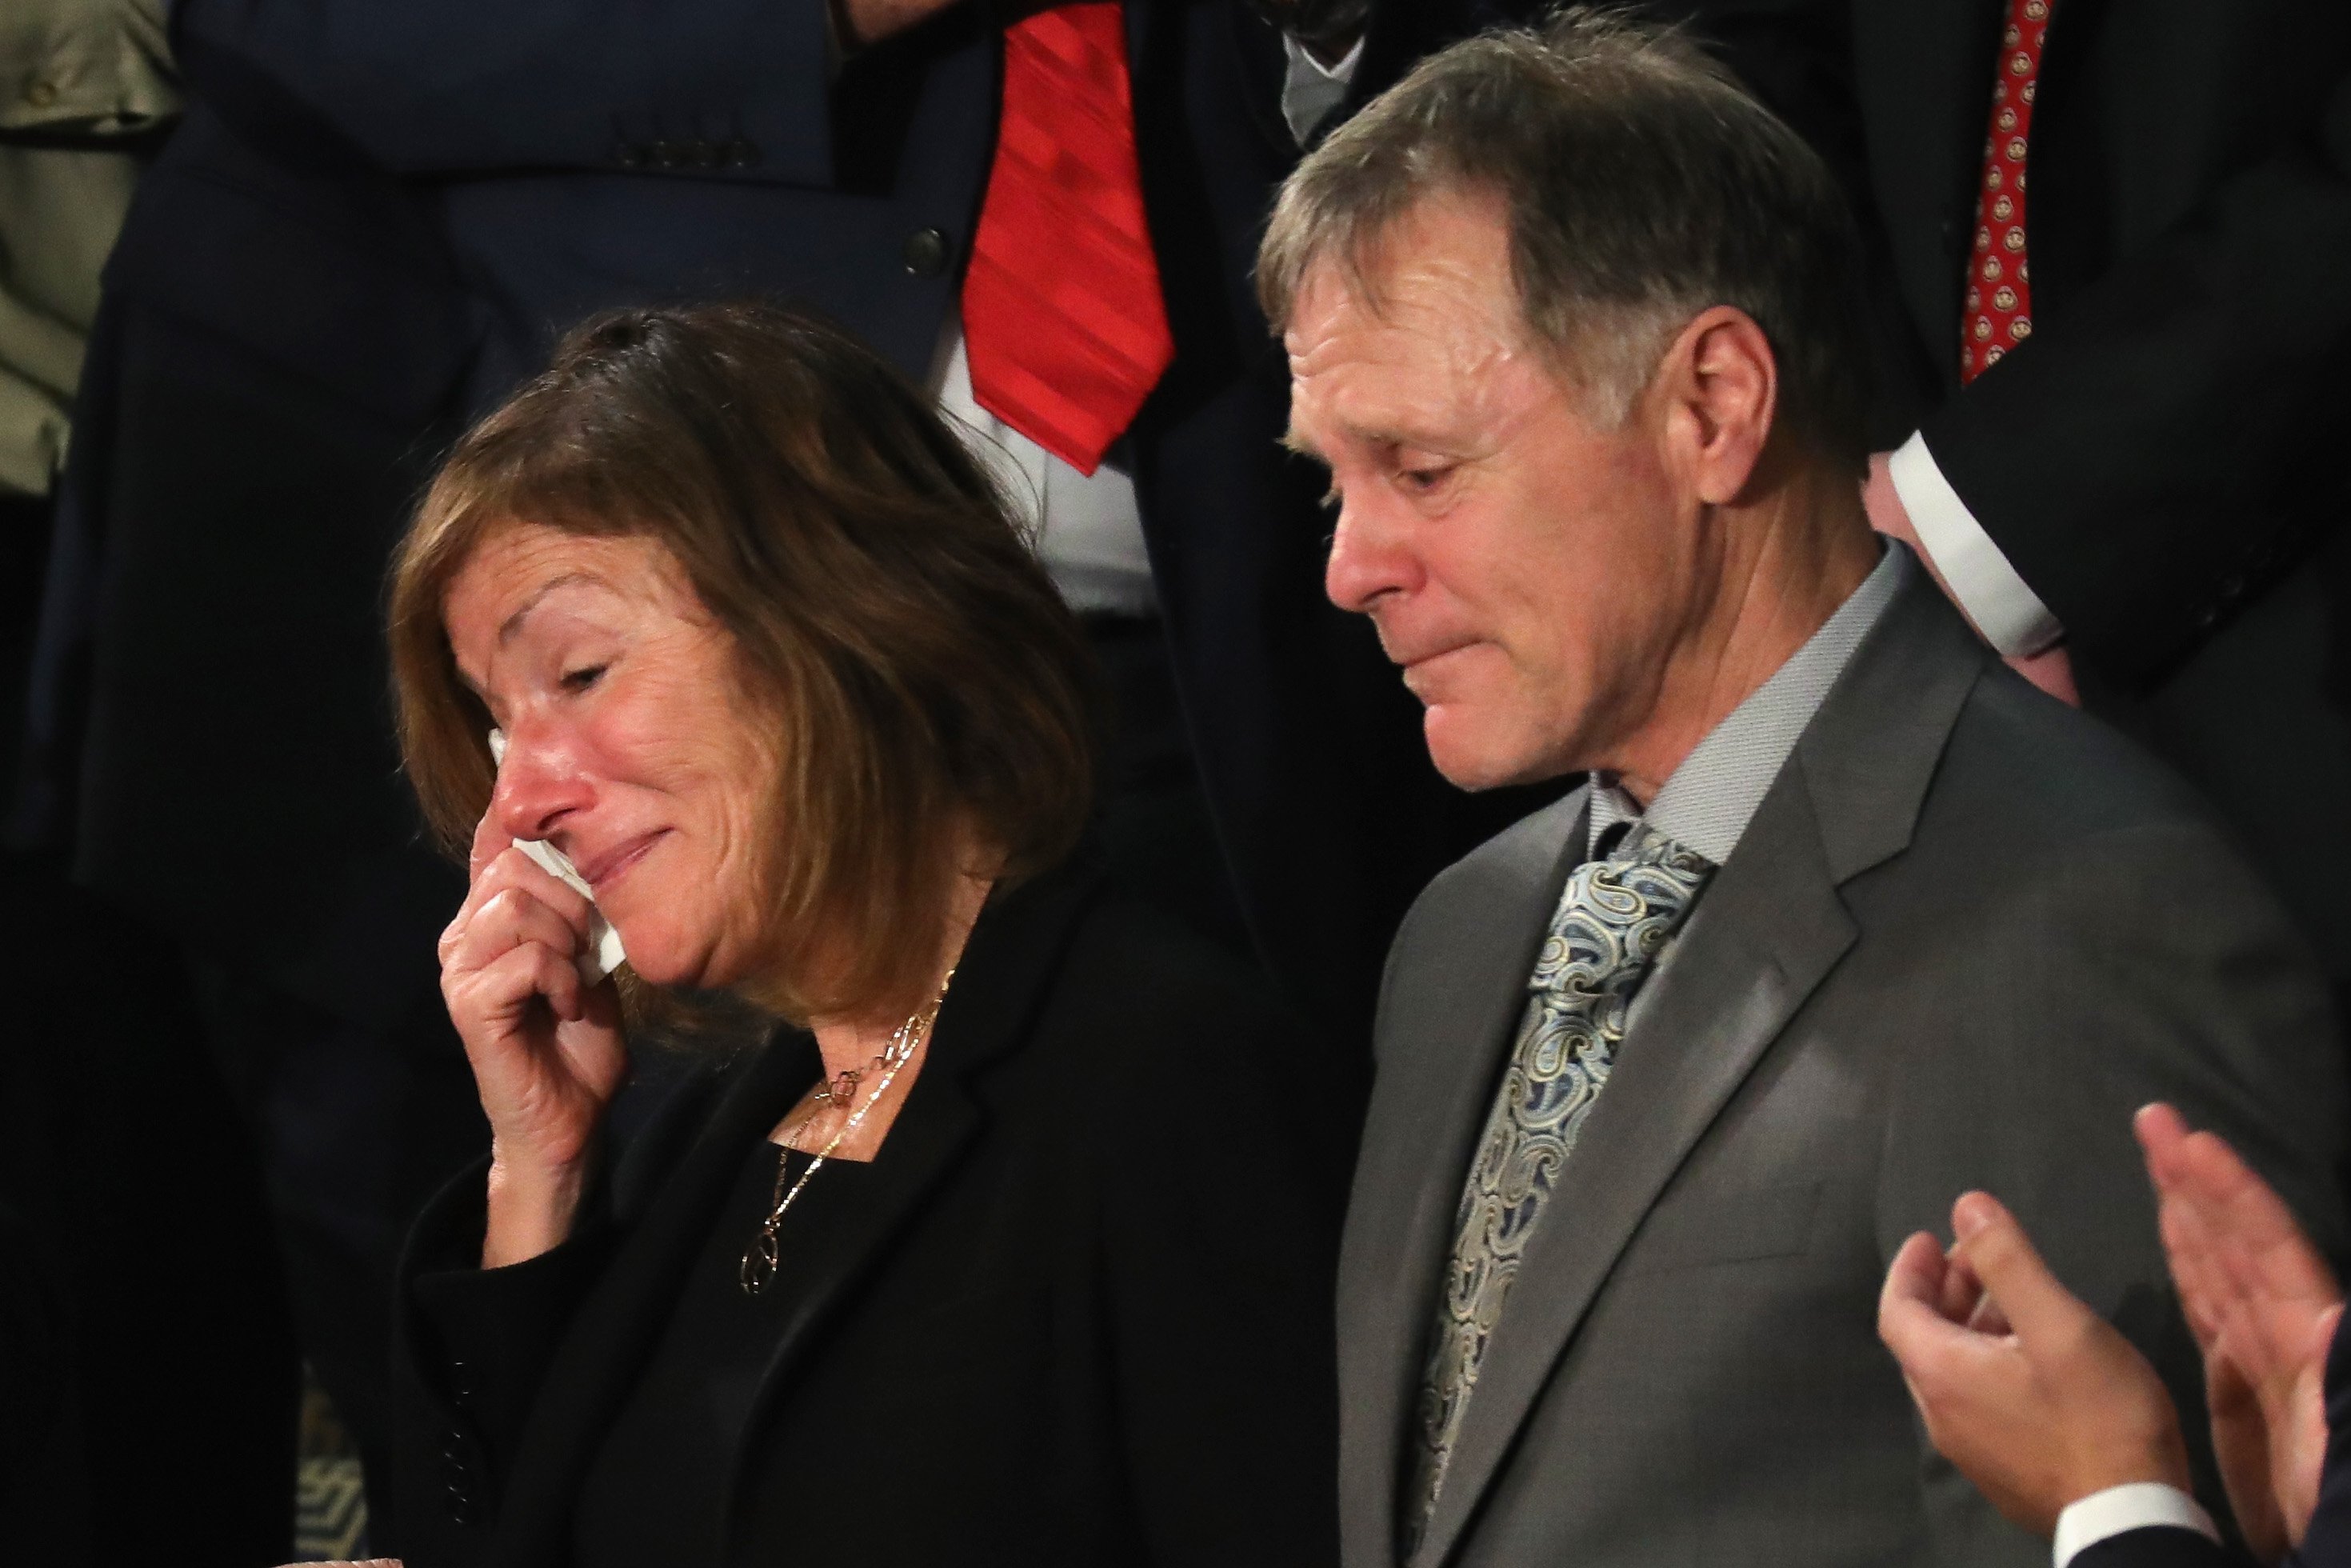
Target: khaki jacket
(81, 81)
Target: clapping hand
(2263, 1308)
(2032, 1396)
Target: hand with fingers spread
(546, 1047)
(2034, 1397)
(2264, 1307)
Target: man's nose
(540, 783)
(1369, 561)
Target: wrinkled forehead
(518, 569)
(1413, 336)
(1447, 251)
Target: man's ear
(1720, 386)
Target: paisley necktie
(1611, 922)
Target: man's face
(1530, 572)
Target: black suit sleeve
(717, 88)
(475, 1346)
(2157, 1546)
(1220, 1251)
(2170, 442)
(2328, 1544)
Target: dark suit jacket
(375, 221)
(2163, 447)
(1085, 1317)
(2328, 1544)
(1967, 933)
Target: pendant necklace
(765, 1256)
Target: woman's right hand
(546, 1047)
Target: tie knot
(1614, 914)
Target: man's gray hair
(1642, 185)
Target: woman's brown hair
(927, 686)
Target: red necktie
(1062, 314)
(2000, 285)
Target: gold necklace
(765, 1256)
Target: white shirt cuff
(2139, 1505)
(2009, 615)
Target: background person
(2066, 1426)
(187, 1399)
(928, 1279)
(2107, 334)
(1848, 917)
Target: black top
(1077, 1311)
(657, 1491)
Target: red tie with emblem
(1062, 319)
(1999, 313)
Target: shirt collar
(1310, 90)
(1708, 802)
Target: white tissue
(605, 954)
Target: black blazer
(375, 220)
(1087, 1319)
(2326, 1545)
(2164, 444)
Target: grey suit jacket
(1967, 933)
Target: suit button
(740, 154)
(698, 155)
(662, 155)
(630, 156)
(40, 94)
(2232, 587)
(1954, 237)
(926, 253)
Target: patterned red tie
(1061, 313)
(2000, 283)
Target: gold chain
(765, 1256)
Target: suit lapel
(1764, 935)
(1002, 979)
(1443, 1037)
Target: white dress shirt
(2136, 1505)
(1086, 527)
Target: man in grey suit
(1849, 918)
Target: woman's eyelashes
(581, 678)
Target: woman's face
(629, 743)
